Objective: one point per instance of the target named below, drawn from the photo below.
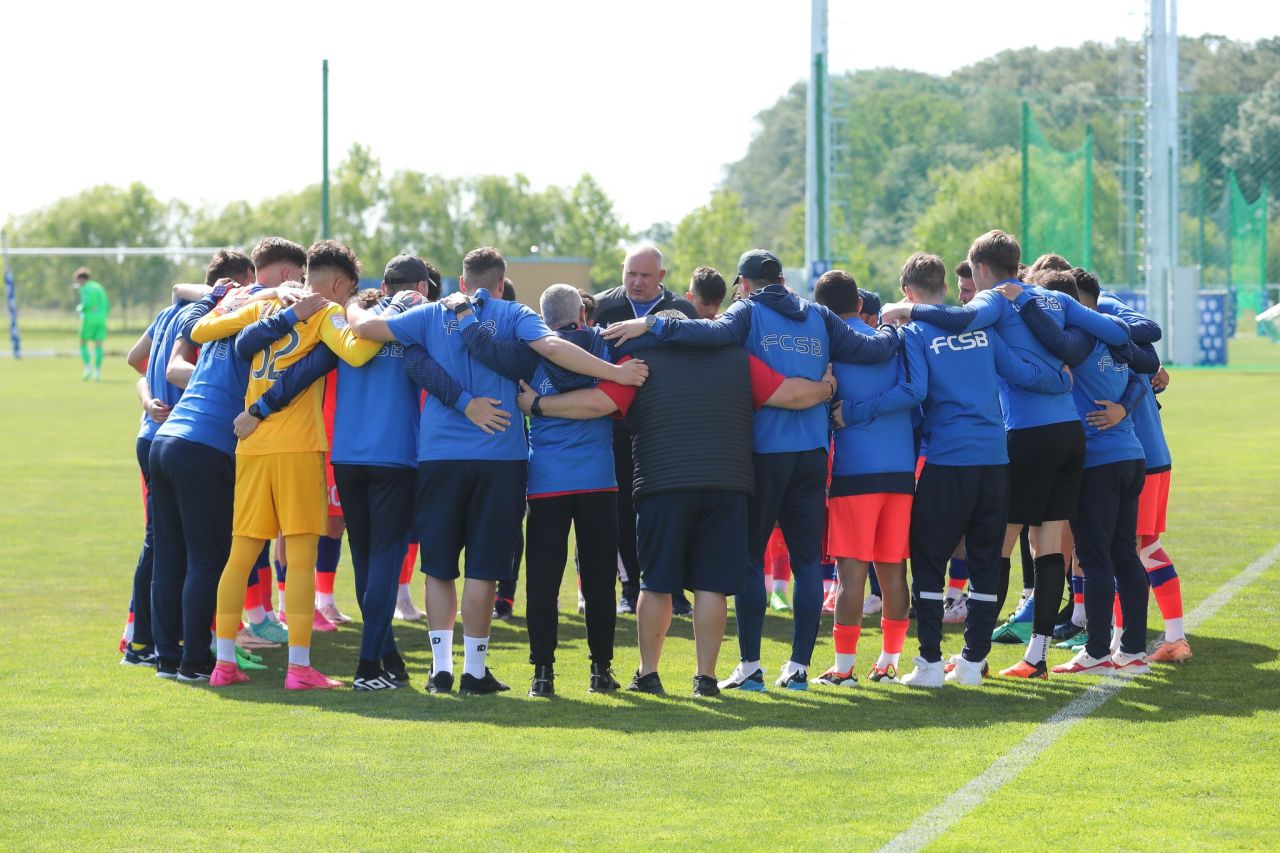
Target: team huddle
(846, 438)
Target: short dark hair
(589, 303)
(708, 285)
(1049, 261)
(83, 272)
(273, 250)
(227, 263)
(926, 272)
(1059, 281)
(508, 291)
(837, 290)
(433, 281)
(998, 250)
(479, 264)
(330, 254)
(963, 270)
(1086, 282)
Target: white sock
(404, 593)
(779, 586)
(791, 667)
(1027, 591)
(441, 650)
(1037, 649)
(827, 585)
(225, 650)
(323, 599)
(1077, 613)
(257, 615)
(844, 663)
(128, 632)
(1117, 634)
(887, 660)
(1173, 630)
(747, 667)
(474, 652)
(952, 593)
(299, 656)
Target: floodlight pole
(324, 184)
(1158, 225)
(817, 161)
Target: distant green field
(95, 755)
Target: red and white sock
(1165, 586)
(895, 636)
(846, 643)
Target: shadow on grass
(1227, 678)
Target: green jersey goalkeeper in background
(93, 310)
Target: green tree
(100, 217)
(586, 226)
(713, 235)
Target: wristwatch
(650, 320)
(465, 305)
(536, 408)
(258, 412)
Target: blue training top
(876, 455)
(1102, 376)
(796, 338)
(163, 331)
(958, 376)
(1024, 409)
(444, 432)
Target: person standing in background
(93, 309)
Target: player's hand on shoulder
(453, 300)
(625, 331)
(1008, 290)
(158, 411)
(633, 372)
(308, 305)
(896, 312)
(406, 299)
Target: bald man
(640, 294)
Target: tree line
(922, 162)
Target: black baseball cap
(870, 301)
(405, 269)
(759, 264)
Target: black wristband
(464, 306)
(257, 412)
(536, 408)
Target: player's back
(962, 418)
(1102, 377)
(299, 427)
(1023, 408)
(884, 444)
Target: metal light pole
(324, 184)
(817, 250)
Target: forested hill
(901, 139)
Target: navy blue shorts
(473, 504)
(692, 540)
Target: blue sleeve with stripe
(298, 377)
(1071, 344)
(731, 327)
(511, 359)
(1034, 377)
(1133, 391)
(852, 347)
(256, 337)
(427, 373)
(981, 312)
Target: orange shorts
(1153, 504)
(871, 528)
(335, 505)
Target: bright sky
(213, 101)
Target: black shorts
(1045, 467)
(692, 540)
(472, 504)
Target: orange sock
(324, 582)
(264, 588)
(895, 635)
(846, 643)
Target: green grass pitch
(95, 755)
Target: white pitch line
(929, 827)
